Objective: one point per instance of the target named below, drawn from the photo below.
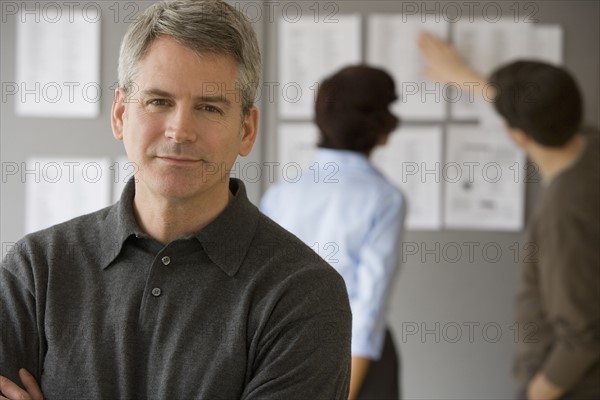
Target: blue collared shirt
(352, 217)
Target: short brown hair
(352, 108)
(542, 100)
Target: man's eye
(158, 102)
(211, 109)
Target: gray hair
(211, 26)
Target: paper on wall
(412, 160)
(392, 45)
(483, 181)
(58, 66)
(58, 189)
(308, 52)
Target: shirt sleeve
(378, 260)
(569, 267)
(304, 348)
(19, 338)
(533, 338)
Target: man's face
(181, 122)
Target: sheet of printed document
(308, 52)
(412, 159)
(392, 45)
(58, 66)
(484, 179)
(58, 189)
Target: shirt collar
(119, 225)
(225, 240)
(347, 158)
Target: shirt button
(166, 260)
(156, 292)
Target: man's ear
(249, 131)
(519, 137)
(118, 113)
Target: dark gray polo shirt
(242, 309)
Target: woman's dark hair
(352, 108)
(540, 99)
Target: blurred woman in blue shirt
(348, 212)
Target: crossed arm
(11, 391)
(539, 388)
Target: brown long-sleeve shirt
(558, 305)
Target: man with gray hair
(182, 289)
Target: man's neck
(552, 161)
(168, 219)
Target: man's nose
(181, 126)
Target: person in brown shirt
(558, 303)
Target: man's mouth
(179, 160)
